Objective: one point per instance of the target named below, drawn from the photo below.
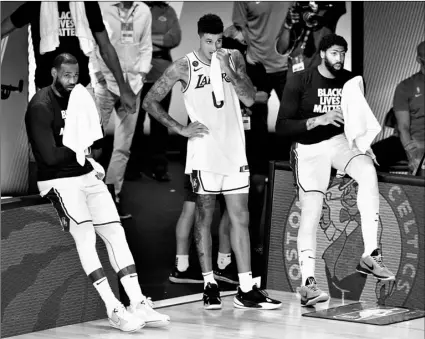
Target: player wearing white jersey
(216, 152)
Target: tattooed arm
(240, 80)
(177, 71)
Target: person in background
(166, 35)
(305, 25)
(408, 143)
(128, 24)
(84, 205)
(261, 24)
(68, 42)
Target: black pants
(257, 147)
(149, 152)
(257, 144)
(389, 152)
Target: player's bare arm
(178, 71)
(240, 80)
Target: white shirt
(222, 150)
(134, 51)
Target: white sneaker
(124, 320)
(145, 312)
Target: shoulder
(40, 103)
(170, 11)
(411, 81)
(304, 77)
(347, 75)
(143, 7)
(179, 69)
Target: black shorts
(189, 195)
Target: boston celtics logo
(340, 245)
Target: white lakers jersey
(221, 151)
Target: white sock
(104, 289)
(209, 278)
(223, 260)
(245, 281)
(130, 282)
(182, 262)
(369, 232)
(307, 261)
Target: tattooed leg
(205, 205)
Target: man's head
(332, 49)
(210, 31)
(65, 73)
(421, 56)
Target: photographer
(305, 25)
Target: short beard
(62, 91)
(331, 69)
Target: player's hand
(261, 97)
(194, 130)
(334, 117)
(414, 155)
(293, 17)
(223, 56)
(128, 99)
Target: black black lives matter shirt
(308, 95)
(45, 121)
(29, 13)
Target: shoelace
(312, 287)
(148, 301)
(378, 260)
(263, 292)
(120, 310)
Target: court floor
(189, 320)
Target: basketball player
(83, 203)
(216, 157)
(317, 128)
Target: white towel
(361, 125)
(216, 78)
(49, 26)
(82, 124)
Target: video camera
(309, 12)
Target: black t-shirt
(29, 13)
(307, 95)
(45, 120)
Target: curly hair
(211, 24)
(332, 40)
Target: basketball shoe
(255, 299)
(145, 312)
(372, 264)
(311, 294)
(229, 274)
(190, 276)
(124, 320)
(212, 299)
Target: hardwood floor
(190, 321)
